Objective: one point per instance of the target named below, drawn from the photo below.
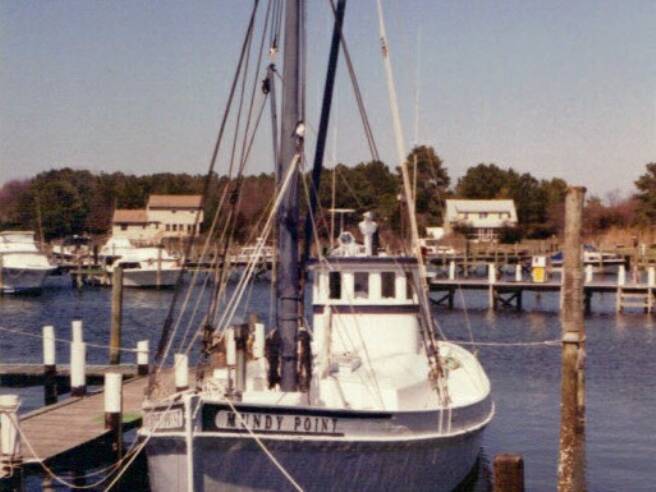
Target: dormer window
(361, 285)
(335, 285)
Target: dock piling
(452, 270)
(621, 275)
(589, 274)
(76, 328)
(508, 473)
(117, 316)
(78, 369)
(181, 363)
(142, 357)
(114, 410)
(49, 366)
(10, 452)
(518, 272)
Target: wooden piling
(572, 425)
(114, 410)
(117, 316)
(508, 473)
(49, 366)
(158, 279)
(142, 358)
(10, 450)
(78, 369)
(181, 364)
(2, 285)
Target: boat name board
(227, 420)
(172, 419)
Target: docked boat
(359, 395)
(600, 261)
(23, 268)
(142, 266)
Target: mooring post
(508, 473)
(114, 410)
(117, 316)
(78, 369)
(76, 329)
(2, 290)
(621, 275)
(651, 281)
(518, 272)
(259, 340)
(491, 279)
(49, 366)
(10, 452)
(571, 475)
(158, 280)
(181, 363)
(452, 270)
(142, 357)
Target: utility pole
(571, 476)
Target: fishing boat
(599, 261)
(142, 266)
(363, 397)
(23, 268)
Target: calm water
(621, 375)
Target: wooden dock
(15, 374)
(508, 293)
(58, 431)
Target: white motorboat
(142, 266)
(599, 261)
(363, 397)
(23, 268)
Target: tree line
(62, 202)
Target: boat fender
(304, 360)
(272, 348)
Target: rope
(62, 340)
(548, 343)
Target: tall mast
(291, 143)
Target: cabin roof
(174, 201)
(130, 216)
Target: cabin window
(361, 285)
(168, 227)
(124, 227)
(409, 285)
(388, 285)
(335, 285)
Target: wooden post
(492, 279)
(158, 279)
(10, 452)
(49, 366)
(78, 369)
(2, 285)
(117, 315)
(452, 270)
(114, 410)
(518, 272)
(572, 424)
(142, 357)
(508, 473)
(76, 329)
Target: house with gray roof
(485, 218)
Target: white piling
(651, 276)
(49, 365)
(49, 357)
(621, 275)
(518, 272)
(114, 409)
(259, 341)
(492, 273)
(10, 453)
(142, 357)
(181, 362)
(231, 347)
(78, 369)
(588, 274)
(76, 328)
(452, 270)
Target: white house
(486, 217)
(175, 213)
(165, 216)
(134, 225)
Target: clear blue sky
(555, 88)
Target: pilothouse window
(361, 285)
(335, 285)
(409, 285)
(388, 280)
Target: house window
(388, 290)
(189, 228)
(143, 226)
(124, 227)
(335, 285)
(361, 285)
(482, 215)
(175, 227)
(168, 227)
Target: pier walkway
(57, 431)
